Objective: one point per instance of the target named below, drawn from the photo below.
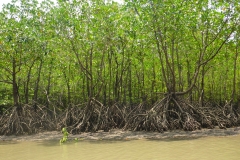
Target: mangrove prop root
(169, 113)
(25, 121)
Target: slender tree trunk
(234, 75)
(26, 87)
(14, 83)
(49, 80)
(68, 84)
(201, 100)
(130, 84)
(109, 83)
(153, 96)
(35, 96)
(91, 72)
(189, 80)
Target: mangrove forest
(147, 65)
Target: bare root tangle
(169, 113)
(213, 114)
(10, 123)
(92, 116)
(70, 117)
(113, 117)
(151, 120)
(27, 120)
(178, 113)
(190, 123)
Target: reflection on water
(209, 148)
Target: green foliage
(65, 135)
(75, 50)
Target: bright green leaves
(65, 135)
(114, 52)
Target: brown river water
(204, 148)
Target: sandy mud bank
(117, 134)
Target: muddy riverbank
(117, 134)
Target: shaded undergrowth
(168, 113)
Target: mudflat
(117, 134)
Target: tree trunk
(35, 96)
(234, 75)
(14, 84)
(26, 87)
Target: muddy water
(207, 148)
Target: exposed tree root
(92, 116)
(175, 113)
(25, 120)
(169, 113)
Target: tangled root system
(168, 113)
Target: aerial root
(169, 113)
(174, 113)
(25, 120)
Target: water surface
(207, 148)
